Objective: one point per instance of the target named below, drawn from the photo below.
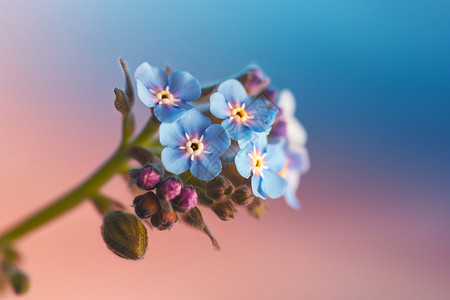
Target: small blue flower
(296, 164)
(193, 143)
(168, 94)
(243, 115)
(263, 162)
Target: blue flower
(168, 94)
(243, 115)
(193, 143)
(296, 164)
(263, 162)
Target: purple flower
(243, 115)
(168, 94)
(263, 162)
(193, 143)
(187, 199)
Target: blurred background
(372, 83)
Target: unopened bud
(219, 188)
(186, 200)
(164, 220)
(19, 281)
(169, 188)
(257, 207)
(125, 235)
(225, 210)
(242, 195)
(146, 205)
(149, 177)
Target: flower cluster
(229, 145)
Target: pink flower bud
(149, 177)
(169, 188)
(186, 200)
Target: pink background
(369, 228)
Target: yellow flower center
(194, 146)
(165, 97)
(238, 113)
(258, 162)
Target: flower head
(263, 162)
(168, 94)
(193, 143)
(243, 115)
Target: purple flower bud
(149, 177)
(169, 188)
(256, 82)
(186, 200)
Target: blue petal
(256, 187)
(243, 163)
(206, 167)
(219, 106)
(151, 77)
(216, 139)
(232, 90)
(175, 161)
(144, 94)
(195, 123)
(275, 157)
(260, 141)
(271, 116)
(184, 86)
(257, 125)
(167, 113)
(237, 131)
(273, 184)
(258, 108)
(172, 135)
(291, 199)
(185, 105)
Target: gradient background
(372, 82)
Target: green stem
(88, 188)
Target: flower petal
(206, 167)
(232, 90)
(291, 199)
(273, 184)
(144, 94)
(275, 157)
(195, 123)
(237, 131)
(151, 77)
(172, 135)
(167, 113)
(216, 139)
(258, 108)
(175, 161)
(184, 86)
(219, 106)
(243, 163)
(257, 125)
(256, 187)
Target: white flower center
(194, 146)
(238, 113)
(258, 162)
(165, 97)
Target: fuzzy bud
(149, 177)
(125, 235)
(169, 188)
(219, 188)
(164, 220)
(19, 281)
(257, 207)
(186, 200)
(225, 210)
(242, 195)
(146, 205)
